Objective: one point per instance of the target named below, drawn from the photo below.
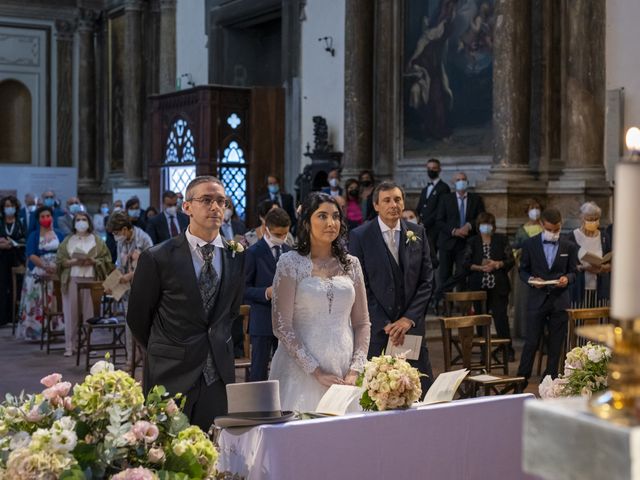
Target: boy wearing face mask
(260, 268)
(547, 257)
(135, 213)
(170, 223)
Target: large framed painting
(116, 90)
(447, 77)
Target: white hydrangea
(102, 366)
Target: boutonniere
(235, 247)
(412, 237)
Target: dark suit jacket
(449, 218)
(427, 208)
(534, 264)
(158, 229)
(259, 269)
(366, 243)
(287, 204)
(166, 315)
(500, 251)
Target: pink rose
(156, 455)
(146, 431)
(62, 389)
(139, 473)
(34, 415)
(50, 393)
(172, 408)
(130, 437)
(51, 380)
(68, 404)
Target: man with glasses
(186, 293)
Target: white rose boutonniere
(412, 237)
(235, 247)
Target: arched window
(232, 169)
(15, 122)
(179, 157)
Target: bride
(320, 313)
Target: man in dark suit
(170, 223)
(457, 213)
(260, 268)
(284, 200)
(185, 295)
(396, 264)
(547, 257)
(26, 210)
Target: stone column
(358, 87)
(86, 97)
(167, 53)
(64, 118)
(133, 101)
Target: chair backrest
(579, 317)
(461, 303)
(246, 341)
(465, 327)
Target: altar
(478, 438)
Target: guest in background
(150, 213)
(593, 282)
(253, 235)
(353, 209)
(260, 268)
(170, 223)
(547, 257)
(27, 210)
(42, 245)
(135, 213)
(65, 223)
(118, 206)
(334, 189)
(282, 199)
(81, 256)
(533, 226)
(12, 240)
(231, 224)
(367, 184)
(100, 221)
(409, 215)
(180, 200)
(427, 207)
(489, 258)
(48, 200)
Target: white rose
(64, 441)
(102, 366)
(20, 440)
(595, 354)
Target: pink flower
(34, 415)
(62, 389)
(156, 455)
(68, 404)
(130, 437)
(146, 431)
(50, 393)
(172, 408)
(51, 380)
(139, 473)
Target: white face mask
(333, 182)
(119, 238)
(550, 236)
(227, 214)
(534, 214)
(82, 226)
(171, 211)
(277, 241)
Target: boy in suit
(547, 257)
(260, 268)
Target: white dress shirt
(396, 235)
(432, 186)
(196, 254)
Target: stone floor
(23, 364)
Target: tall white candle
(625, 284)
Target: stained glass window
(180, 157)
(233, 173)
(177, 178)
(234, 121)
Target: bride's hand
(326, 379)
(351, 377)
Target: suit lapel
(560, 251)
(266, 252)
(185, 271)
(539, 251)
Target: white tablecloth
(466, 439)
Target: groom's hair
(385, 187)
(197, 181)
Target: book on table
(444, 387)
(337, 399)
(596, 260)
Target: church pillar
(358, 87)
(86, 98)
(64, 47)
(167, 51)
(132, 94)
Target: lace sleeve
(284, 295)
(359, 318)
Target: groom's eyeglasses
(221, 202)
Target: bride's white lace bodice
(319, 316)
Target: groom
(395, 260)
(185, 296)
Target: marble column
(167, 53)
(86, 97)
(358, 87)
(133, 100)
(64, 116)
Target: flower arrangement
(585, 373)
(101, 428)
(412, 237)
(389, 383)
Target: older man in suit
(260, 269)
(396, 264)
(170, 223)
(546, 257)
(185, 295)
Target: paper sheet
(112, 282)
(410, 348)
(544, 282)
(79, 254)
(337, 399)
(444, 388)
(485, 378)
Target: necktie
(208, 284)
(391, 243)
(277, 251)
(463, 216)
(174, 229)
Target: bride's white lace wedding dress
(321, 319)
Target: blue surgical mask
(104, 210)
(9, 211)
(273, 189)
(32, 208)
(461, 185)
(75, 208)
(133, 213)
(486, 228)
(49, 202)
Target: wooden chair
(16, 273)
(465, 327)
(579, 317)
(51, 311)
(87, 327)
(461, 304)
(245, 361)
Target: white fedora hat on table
(253, 403)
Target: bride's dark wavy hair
(338, 246)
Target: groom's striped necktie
(208, 285)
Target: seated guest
(42, 245)
(65, 223)
(547, 257)
(135, 213)
(353, 210)
(334, 188)
(260, 267)
(170, 223)
(81, 256)
(592, 285)
(489, 258)
(12, 239)
(231, 224)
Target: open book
(338, 399)
(444, 388)
(112, 283)
(595, 259)
(80, 255)
(410, 349)
(544, 282)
